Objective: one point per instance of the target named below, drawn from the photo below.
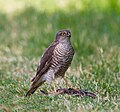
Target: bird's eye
(63, 33)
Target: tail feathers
(33, 79)
(33, 89)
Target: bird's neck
(65, 41)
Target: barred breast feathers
(63, 55)
(61, 60)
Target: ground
(27, 28)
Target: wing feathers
(42, 68)
(45, 60)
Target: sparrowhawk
(54, 62)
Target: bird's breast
(62, 56)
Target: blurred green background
(28, 27)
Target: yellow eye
(63, 34)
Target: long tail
(33, 89)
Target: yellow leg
(68, 85)
(54, 85)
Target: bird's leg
(54, 85)
(68, 85)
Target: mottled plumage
(54, 61)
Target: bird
(54, 62)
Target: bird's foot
(71, 91)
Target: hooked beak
(69, 35)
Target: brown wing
(42, 68)
(45, 62)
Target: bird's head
(63, 36)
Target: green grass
(27, 31)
